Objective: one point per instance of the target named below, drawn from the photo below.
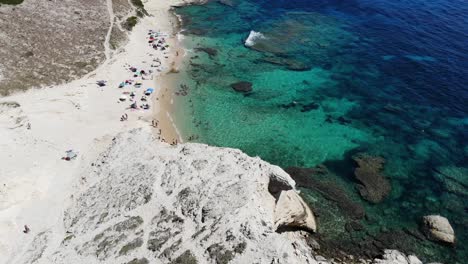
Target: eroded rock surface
(143, 201)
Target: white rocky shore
(144, 201)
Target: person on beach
(26, 229)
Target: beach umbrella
(149, 91)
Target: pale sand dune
(34, 180)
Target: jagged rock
(374, 186)
(291, 212)
(396, 257)
(149, 202)
(243, 87)
(438, 228)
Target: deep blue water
(332, 79)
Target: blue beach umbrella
(149, 91)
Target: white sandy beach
(34, 180)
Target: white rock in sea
(253, 38)
(292, 212)
(396, 257)
(438, 228)
(142, 201)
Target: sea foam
(253, 37)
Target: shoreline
(39, 125)
(165, 87)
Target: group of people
(157, 40)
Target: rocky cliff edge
(142, 201)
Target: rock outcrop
(438, 228)
(374, 186)
(396, 257)
(292, 213)
(143, 201)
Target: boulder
(292, 213)
(438, 228)
(374, 186)
(242, 87)
(396, 257)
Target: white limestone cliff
(148, 202)
(141, 201)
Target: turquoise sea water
(331, 79)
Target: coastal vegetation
(11, 2)
(141, 11)
(130, 22)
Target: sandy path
(107, 49)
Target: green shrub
(131, 22)
(12, 2)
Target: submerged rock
(453, 179)
(328, 189)
(290, 64)
(294, 65)
(374, 186)
(210, 51)
(243, 86)
(438, 228)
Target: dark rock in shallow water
(196, 31)
(374, 186)
(393, 108)
(226, 2)
(309, 107)
(354, 226)
(453, 179)
(328, 189)
(243, 87)
(210, 51)
(297, 66)
(343, 120)
(290, 64)
(290, 105)
(272, 60)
